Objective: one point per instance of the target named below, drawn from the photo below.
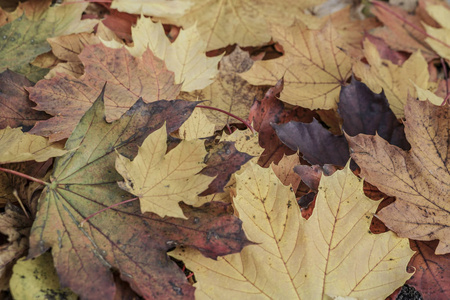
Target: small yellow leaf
(162, 180)
(314, 66)
(331, 255)
(16, 146)
(197, 126)
(441, 36)
(395, 81)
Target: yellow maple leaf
(16, 146)
(314, 66)
(162, 180)
(439, 38)
(185, 57)
(242, 22)
(333, 254)
(396, 81)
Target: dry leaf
(439, 38)
(419, 178)
(298, 259)
(197, 126)
(162, 180)
(314, 66)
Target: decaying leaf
(16, 146)
(162, 180)
(314, 66)
(127, 78)
(419, 178)
(121, 238)
(298, 259)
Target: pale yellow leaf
(441, 36)
(156, 8)
(185, 57)
(16, 146)
(242, 22)
(331, 255)
(423, 94)
(396, 81)
(197, 126)
(162, 180)
(314, 66)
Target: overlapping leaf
(128, 78)
(299, 259)
(85, 181)
(314, 66)
(419, 178)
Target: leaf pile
(224, 149)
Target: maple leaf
(128, 78)
(197, 126)
(298, 259)
(241, 22)
(85, 181)
(418, 178)
(229, 92)
(16, 109)
(395, 81)
(162, 180)
(185, 57)
(25, 37)
(314, 66)
(16, 146)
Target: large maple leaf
(298, 259)
(26, 37)
(242, 22)
(419, 178)
(85, 181)
(128, 78)
(314, 66)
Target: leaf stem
(106, 208)
(24, 176)
(229, 114)
(414, 26)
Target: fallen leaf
(396, 81)
(419, 178)
(128, 78)
(16, 109)
(239, 22)
(16, 227)
(16, 146)
(244, 141)
(121, 238)
(162, 180)
(229, 91)
(430, 278)
(298, 259)
(285, 171)
(37, 278)
(314, 66)
(186, 57)
(423, 95)
(26, 37)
